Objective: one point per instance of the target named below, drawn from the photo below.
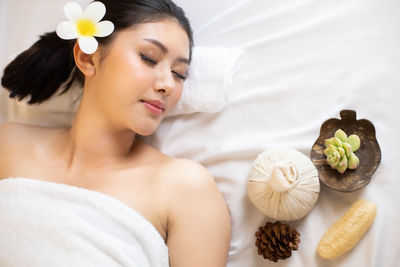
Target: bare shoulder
(12, 136)
(10, 131)
(16, 127)
(19, 138)
(196, 204)
(175, 174)
(18, 132)
(188, 173)
(188, 182)
(8, 126)
(181, 178)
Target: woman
(130, 83)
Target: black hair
(48, 64)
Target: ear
(84, 61)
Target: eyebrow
(164, 49)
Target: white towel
(207, 89)
(50, 224)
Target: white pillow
(206, 89)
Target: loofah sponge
(348, 230)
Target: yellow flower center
(86, 27)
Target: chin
(146, 130)
(145, 126)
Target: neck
(93, 143)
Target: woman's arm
(199, 226)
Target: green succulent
(340, 150)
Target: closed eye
(148, 59)
(154, 62)
(180, 76)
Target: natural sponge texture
(344, 234)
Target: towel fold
(50, 224)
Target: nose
(165, 82)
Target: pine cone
(276, 241)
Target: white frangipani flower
(85, 25)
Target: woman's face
(141, 76)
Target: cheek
(175, 96)
(129, 78)
(140, 75)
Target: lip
(154, 106)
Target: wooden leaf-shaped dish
(369, 153)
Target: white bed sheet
(304, 62)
